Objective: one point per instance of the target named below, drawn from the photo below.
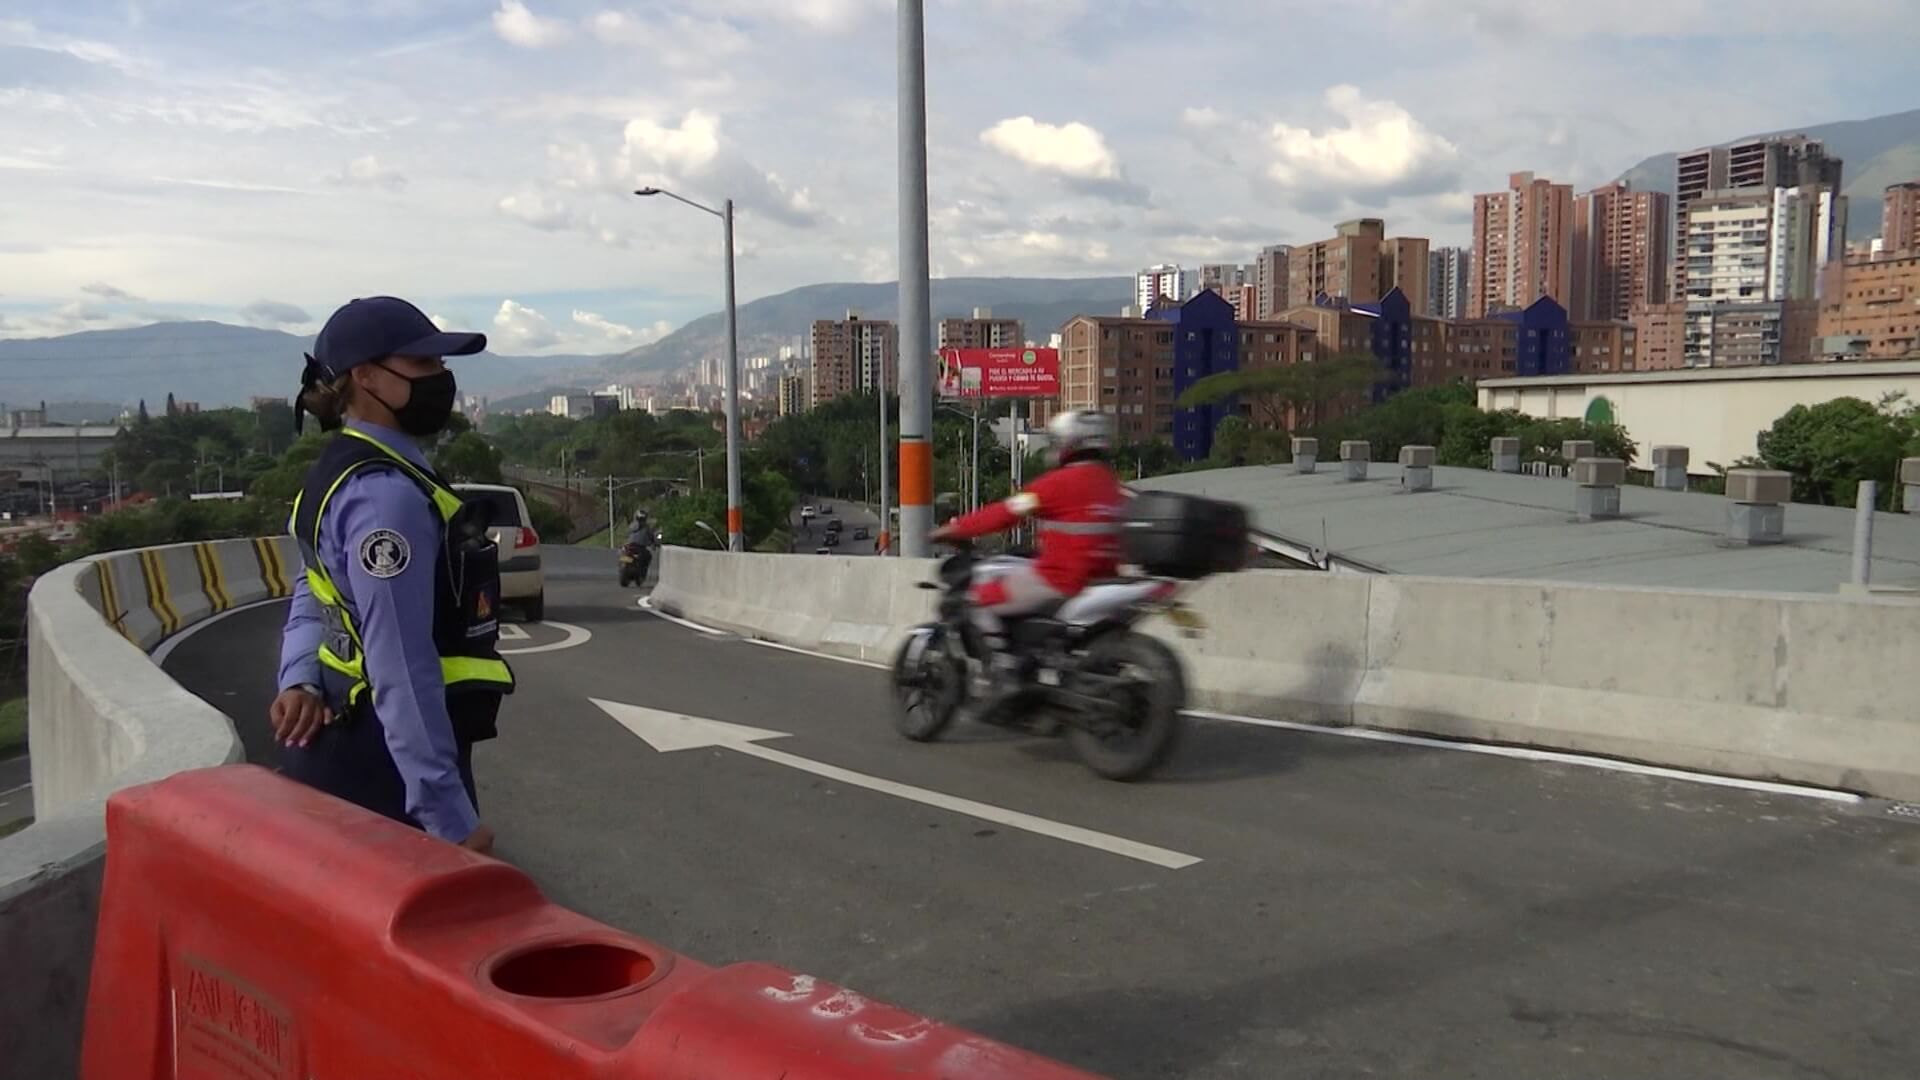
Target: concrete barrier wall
(1807, 689)
(849, 606)
(101, 717)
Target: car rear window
(502, 507)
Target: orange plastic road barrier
(254, 929)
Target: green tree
(1831, 447)
(468, 458)
(1303, 392)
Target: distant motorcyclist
(1076, 508)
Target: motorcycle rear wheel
(1143, 733)
(928, 689)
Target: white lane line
(783, 647)
(514, 632)
(1558, 757)
(576, 636)
(1523, 753)
(667, 732)
(165, 649)
(11, 790)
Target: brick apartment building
(1900, 219)
(1120, 366)
(1876, 311)
(1360, 264)
(1523, 245)
(1620, 243)
(852, 355)
(982, 331)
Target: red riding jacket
(1077, 509)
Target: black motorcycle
(635, 559)
(1082, 668)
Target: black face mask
(429, 404)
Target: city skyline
(479, 156)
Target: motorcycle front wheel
(1141, 731)
(929, 684)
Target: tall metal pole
(887, 539)
(736, 524)
(916, 334)
(611, 546)
(974, 501)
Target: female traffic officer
(388, 667)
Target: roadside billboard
(999, 373)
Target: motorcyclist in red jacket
(1076, 508)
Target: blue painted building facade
(1206, 341)
(1544, 343)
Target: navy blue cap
(377, 327)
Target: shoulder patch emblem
(384, 554)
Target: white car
(523, 579)
(807, 513)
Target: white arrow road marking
(512, 632)
(575, 636)
(667, 732)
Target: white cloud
(618, 335)
(518, 327)
(680, 40)
(1073, 149)
(1376, 148)
(108, 292)
(539, 211)
(682, 150)
(517, 25)
(548, 214)
(694, 150)
(366, 171)
(275, 313)
(817, 15)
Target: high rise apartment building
(1900, 219)
(1782, 161)
(1757, 164)
(1223, 278)
(1449, 282)
(1621, 241)
(1523, 245)
(1270, 274)
(1404, 265)
(982, 331)
(1174, 282)
(1347, 266)
(853, 355)
(793, 395)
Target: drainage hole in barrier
(578, 970)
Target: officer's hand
(480, 840)
(296, 715)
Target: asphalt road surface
(1360, 909)
(810, 537)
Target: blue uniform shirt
(393, 610)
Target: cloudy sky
(261, 161)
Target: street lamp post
(717, 542)
(736, 524)
(916, 332)
(973, 469)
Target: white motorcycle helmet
(1077, 434)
